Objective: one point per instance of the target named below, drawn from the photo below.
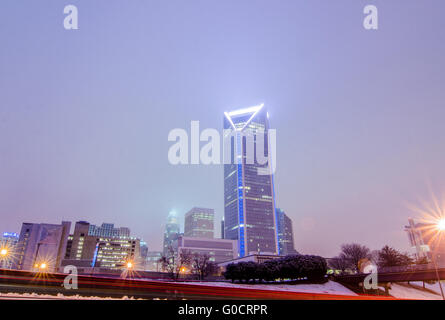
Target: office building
(222, 229)
(116, 253)
(285, 233)
(249, 197)
(41, 247)
(152, 261)
(108, 230)
(199, 223)
(8, 248)
(219, 250)
(103, 247)
(144, 250)
(171, 232)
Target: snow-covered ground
(329, 287)
(411, 292)
(434, 287)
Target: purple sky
(85, 114)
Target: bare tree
(168, 262)
(184, 261)
(355, 255)
(174, 263)
(202, 265)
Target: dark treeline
(312, 268)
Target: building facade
(42, 246)
(249, 196)
(199, 222)
(285, 234)
(115, 253)
(103, 247)
(171, 232)
(8, 248)
(219, 250)
(108, 230)
(152, 261)
(222, 229)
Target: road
(28, 282)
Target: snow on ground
(434, 287)
(402, 291)
(329, 287)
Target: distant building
(106, 248)
(171, 232)
(8, 244)
(249, 196)
(285, 233)
(222, 229)
(42, 246)
(219, 250)
(115, 253)
(152, 261)
(108, 230)
(144, 250)
(424, 240)
(81, 245)
(199, 223)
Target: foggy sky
(85, 114)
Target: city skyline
(84, 115)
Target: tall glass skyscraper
(249, 197)
(171, 232)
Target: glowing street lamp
(43, 266)
(129, 265)
(3, 252)
(3, 256)
(441, 225)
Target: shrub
(311, 267)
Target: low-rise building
(152, 261)
(86, 247)
(41, 246)
(219, 250)
(8, 248)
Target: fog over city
(359, 115)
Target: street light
(4, 256)
(129, 265)
(440, 225)
(3, 252)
